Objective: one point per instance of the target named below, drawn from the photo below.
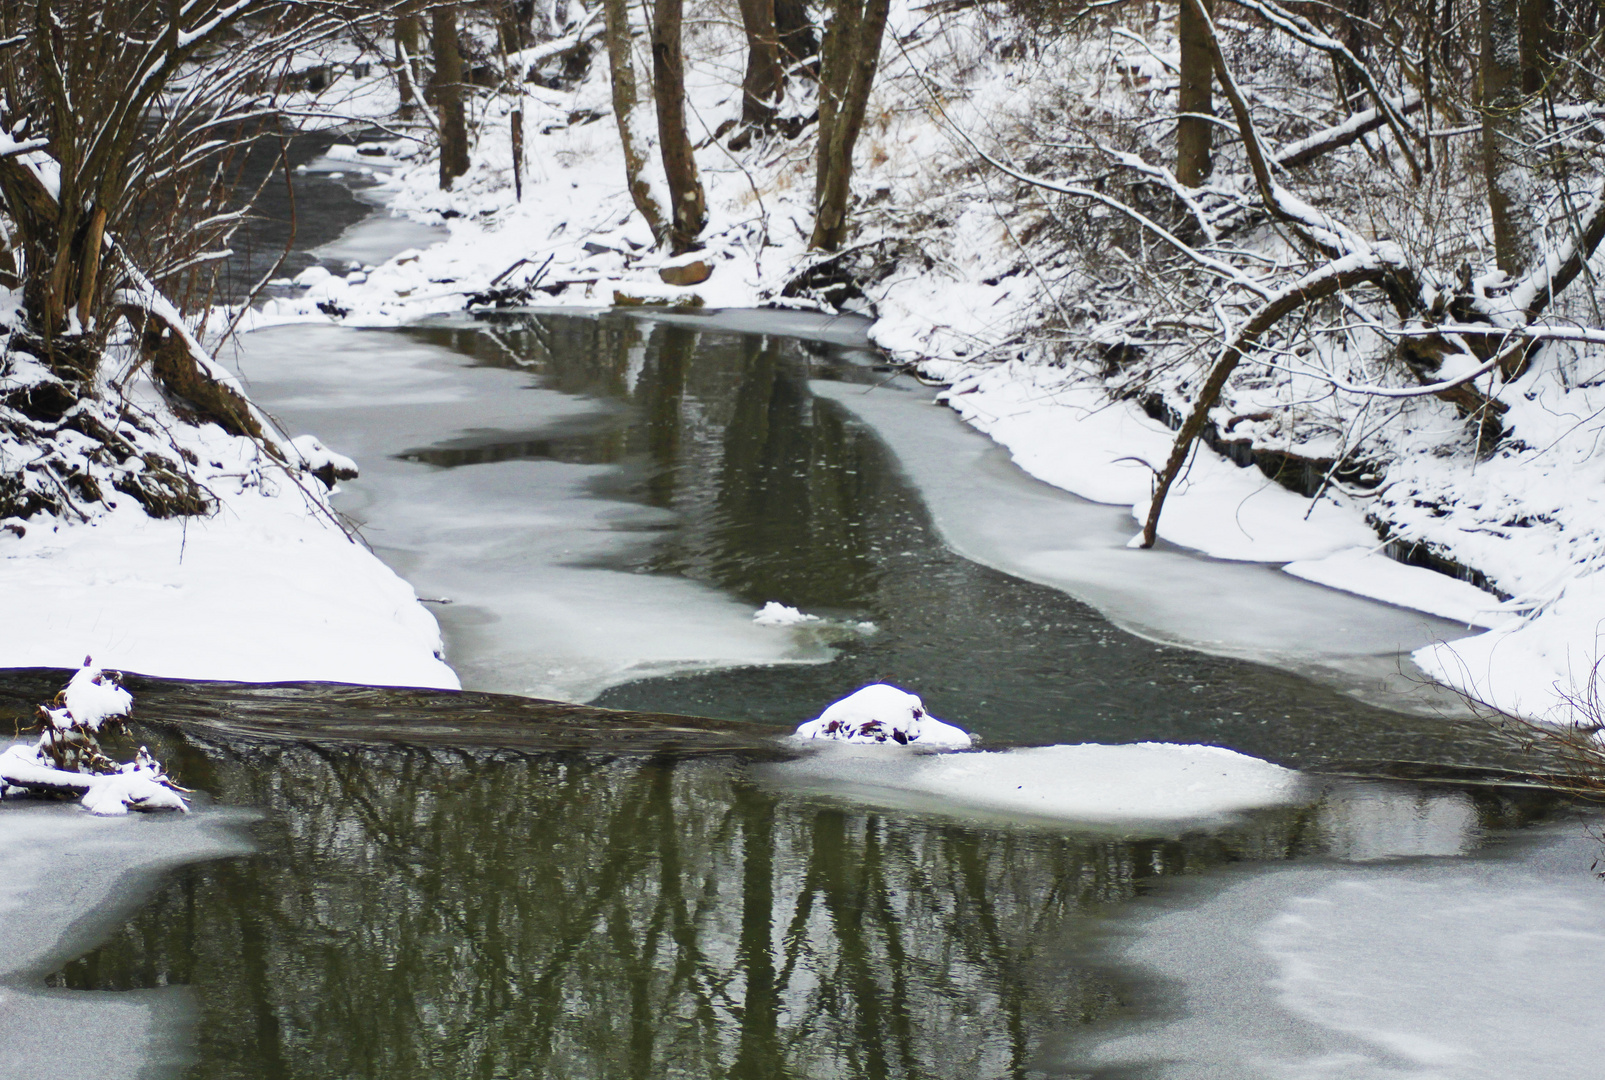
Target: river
(477, 885)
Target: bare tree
(447, 88)
(688, 207)
(116, 187)
(762, 84)
(1194, 133)
(626, 112)
(408, 30)
(846, 74)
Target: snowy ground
(268, 588)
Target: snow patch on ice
(1152, 784)
(1458, 970)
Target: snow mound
(1157, 783)
(775, 613)
(134, 788)
(880, 713)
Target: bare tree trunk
(1194, 136)
(448, 92)
(621, 65)
(760, 89)
(408, 30)
(688, 207)
(846, 73)
(517, 121)
(1537, 46)
(1506, 165)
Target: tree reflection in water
(450, 913)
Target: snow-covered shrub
(68, 759)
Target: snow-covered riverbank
(1057, 426)
(267, 590)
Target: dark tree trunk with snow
(408, 30)
(448, 94)
(799, 40)
(626, 102)
(846, 74)
(688, 211)
(1194, 136)
(761, 86)
(1537, 44)
(1507, 168)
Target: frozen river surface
(606, 501)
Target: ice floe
(1130, 786)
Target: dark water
(474, 886)
(293, 211)
(429, 912)
(777, 495)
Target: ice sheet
(1366, 572)
(67, 877)
(1135, 786)
(991, 512)
(1456, 970)
(521, 548)
(378, 237)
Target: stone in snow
(881, 713)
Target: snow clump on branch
(68, 758)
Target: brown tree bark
(448, 93)
(1537, 45)
(1505, 157)
(626, 100)
(408, 31)
(1194, 136)
(760, 88)
(688, 211)
(846, 73)
(799, 40)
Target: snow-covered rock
(882, 713)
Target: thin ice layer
(521, 548)
(1143, 784)
(989, 511)
(1453, 970)
(66, 879)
